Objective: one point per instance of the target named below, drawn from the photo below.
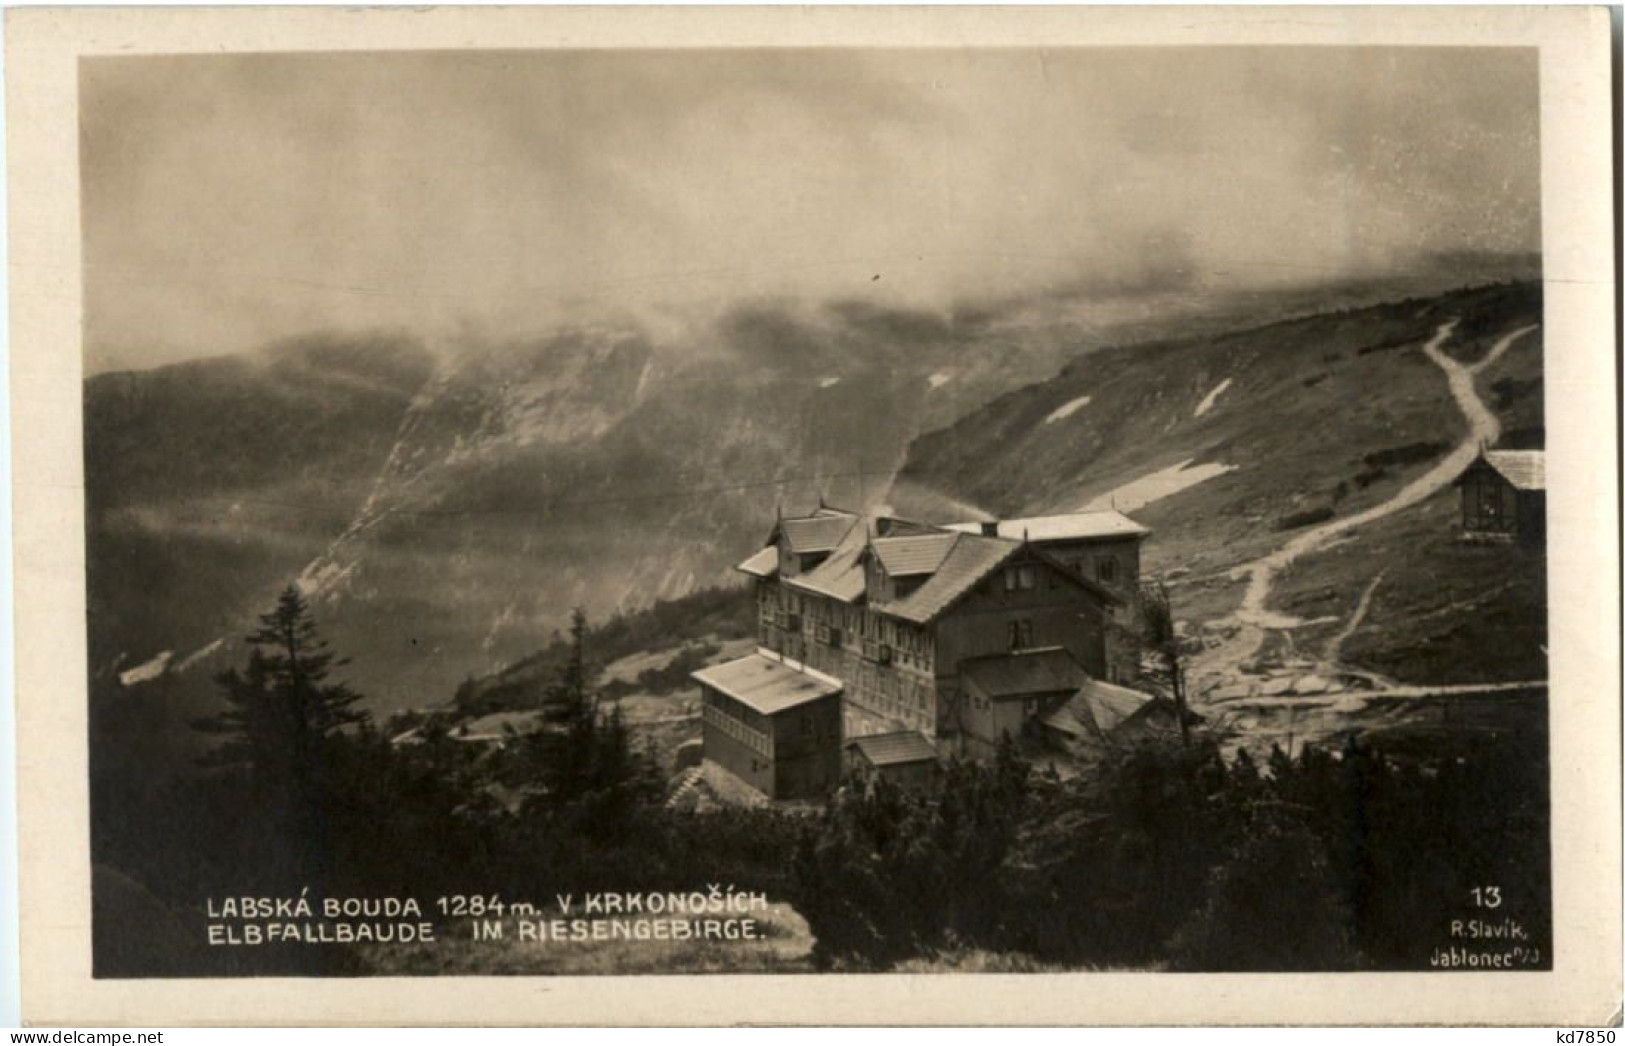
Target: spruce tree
(1161, 636)
(282, 706)
(570, 705)
(281, 717)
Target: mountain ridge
(498, 485)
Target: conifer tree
(571, 705)
(1161, 636)
(281, 718)
(282, 707)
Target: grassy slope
(1445, 610)
(707, 616)
(1310, 403)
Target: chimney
(990, 528)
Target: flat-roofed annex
(763, 681)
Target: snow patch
(148, 672)
(1067, 409)
(1154, 486)
(829, 382)
(199, 654)
(1212, 397)
(939, 379)
(643, 381)
(321, 575)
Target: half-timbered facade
(904, 614)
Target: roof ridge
(1004, 654)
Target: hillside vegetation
(446, 504)
(1292, 424)
(694, 621)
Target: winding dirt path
(1334, 646)
(1483, 429)
(1350, 700)
(1228, 686)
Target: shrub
(1294, 520)
(1273, 905)
(1409, 454)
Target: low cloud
(234, 200)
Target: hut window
(1106, 568)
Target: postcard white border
(42, 46)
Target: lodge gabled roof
(841, 575)
(967, 562)
(765, 563)
(952, 562)
(913, 554)
(1524, 469)
(970, 560)
(820, 532)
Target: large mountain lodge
(936, 638)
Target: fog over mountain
(463, 340)
(231, 201)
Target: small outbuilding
(772, 724)
(1006, 694)
(904, 758)
(1503, 496)
(1102, 716)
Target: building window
(1106, 569)
(1021, 634)
(1021, 579)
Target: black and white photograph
(1008, 511)
(602, 511)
